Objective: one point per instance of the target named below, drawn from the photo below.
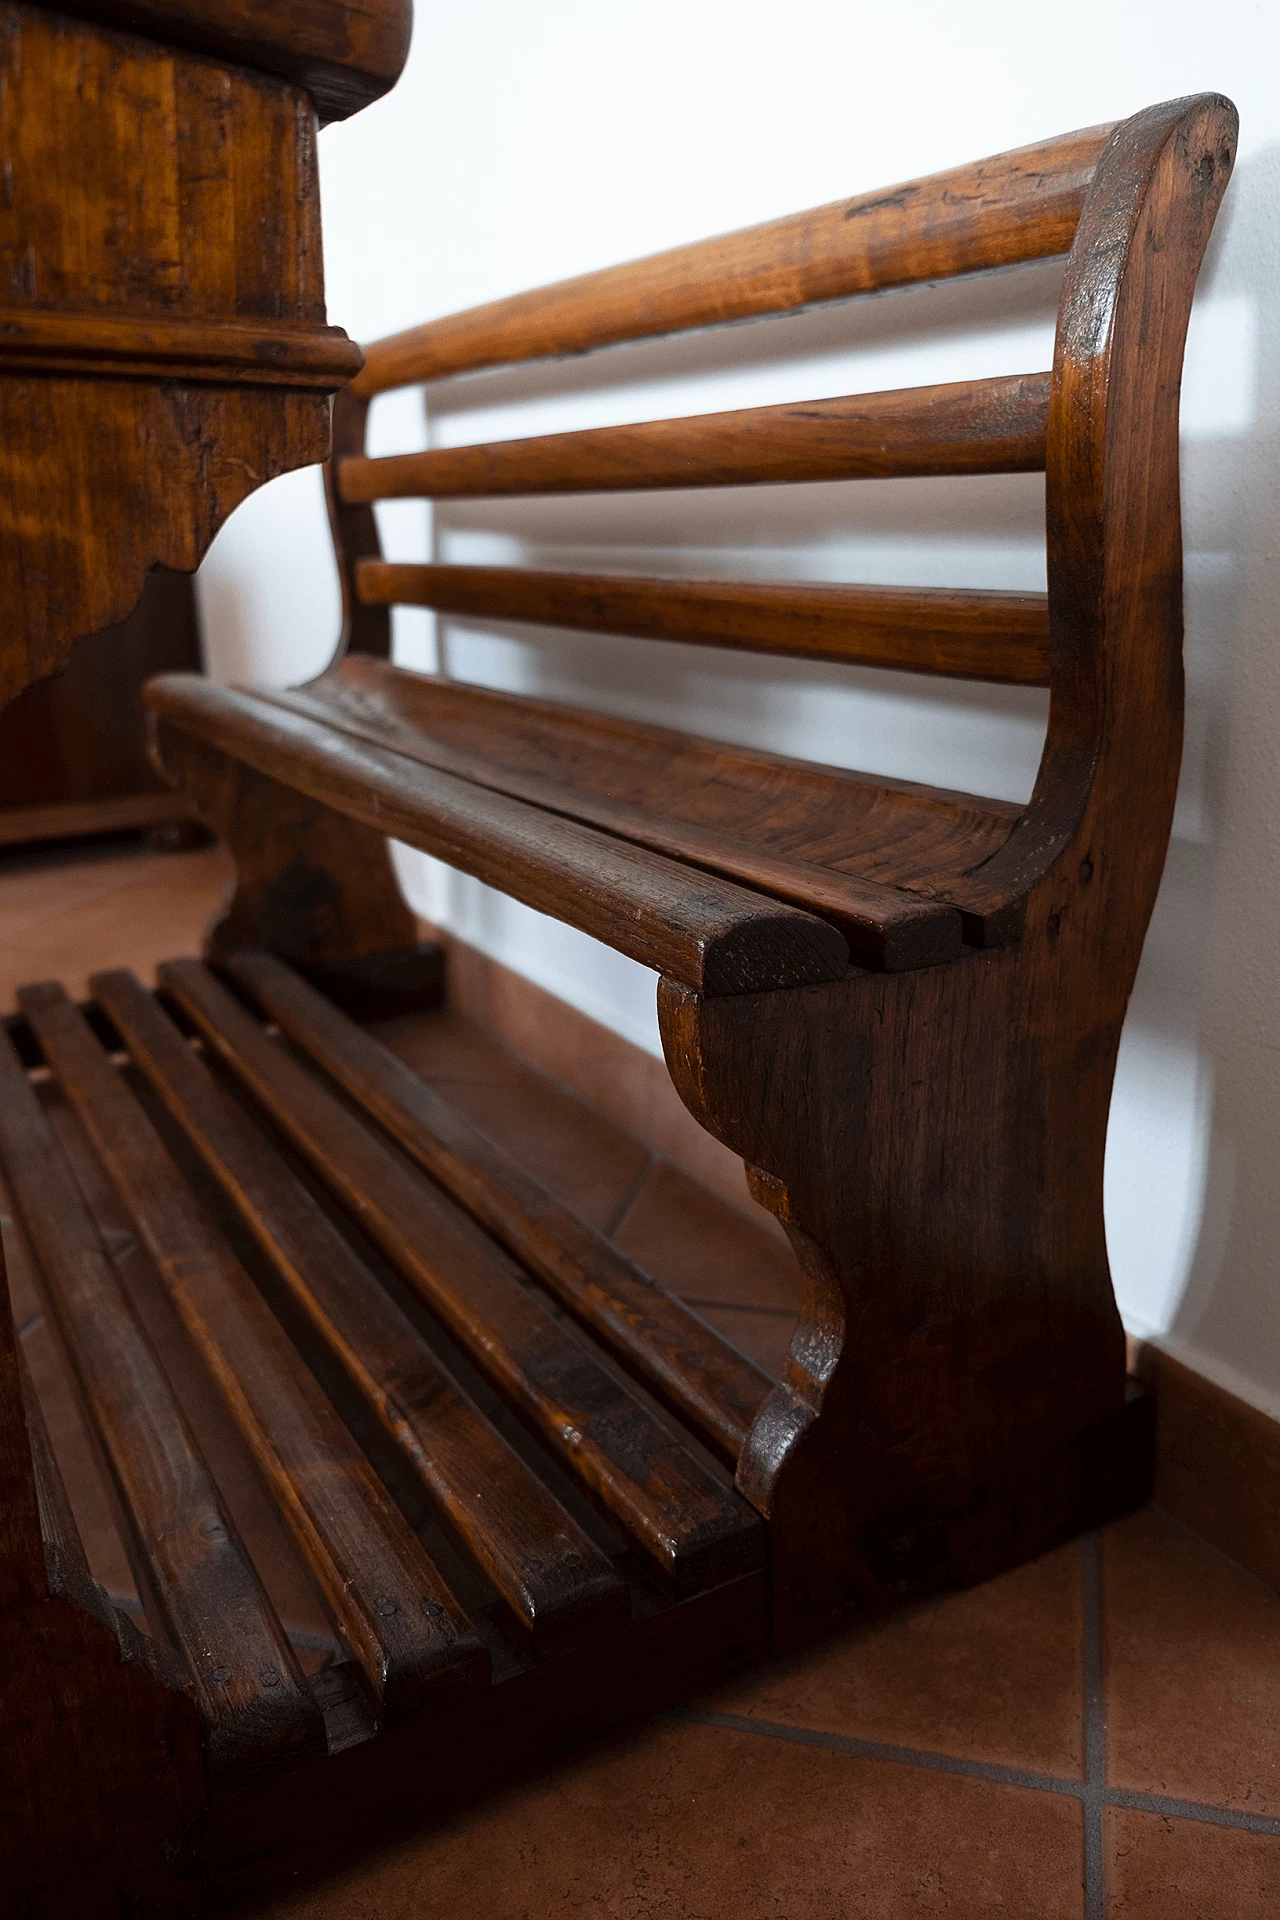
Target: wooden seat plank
(556, 1583)
(967, 426)
(956, 633)
(200, 1589)
(694, 1528)
(690, 925)
(884, 925)
(391, 1607)
(687, 1364)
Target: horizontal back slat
(967, 426)
(958, 633)
(1014, 207)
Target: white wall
(524, 144)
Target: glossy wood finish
(369, 1566)
(654, 1333)
(1018, 206)
(163, 320)
(694, 926)
(554, 1580)
(201, 1591)
(973, 426)
(696, 1530)
(959, 633)
(346, 53)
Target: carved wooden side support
(312, 886)
(933, 1141)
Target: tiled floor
(1097, 1734)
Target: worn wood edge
(994, 425)
(1217, 1460)
(142, 345)
(956, 633)
(724, 934)
(346, 53)
(735, 276)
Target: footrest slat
(389, 1604)
(199, 1586)
(556, 1582)
(695, 1529)
(682, 1359)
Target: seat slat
(882, 924)
(686, 1364)
(698, 929)
(965, 634)
(694, 1529)
(968, 426)
(926, 843)
(1017, 206)
(370, 1567)
(557, 1584)
(200, 1589)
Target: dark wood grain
(971, 426)
(556, 1582)
(960, 633)
(163, 318)
(370, 1568)
(888, 926)
(692, 925)
(693, 1528)
(200, 1588)
(1018, 206)
(679, 1356)
(346, 53)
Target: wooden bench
(901, 1005)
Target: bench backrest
(1132, 207)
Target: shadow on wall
(1193, 1203)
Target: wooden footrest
(374, 1289)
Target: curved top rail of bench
(1015, 207)
(346, 53)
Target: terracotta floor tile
(1190, 1652)
(994, 1674)
(444, 1047)
(131, 910)
(704, 1249)
(584, 1159)
(693, 1823)
(1159, 1868)
(759, 1332)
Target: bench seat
(886, 863)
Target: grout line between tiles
(1091, 1794)
(630, 1197)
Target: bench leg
(955, 1400)
(312, 886)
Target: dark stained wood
(966, 634)
(199, 1587)
(695, 1530)
(162, 236)
(346, 53)
(392, 1609)
(971, 426)
(73, 750)
(692, 925)
(557, 1584)
(891, 927)
(822, 823)
(365, 628)
(674, 1352)
(1018, 206)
